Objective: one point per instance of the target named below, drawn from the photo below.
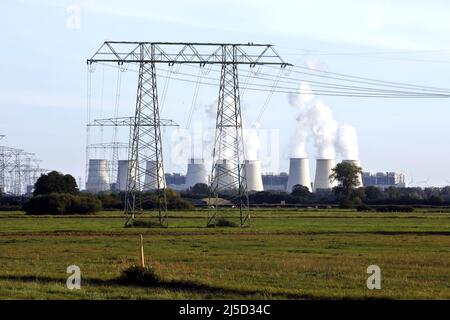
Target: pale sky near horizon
(43, 72)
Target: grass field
(294, 254)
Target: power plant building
(275, 182)
(322, 179)
(196, 173)
(98, 176)
(298, 173)
(253, 175)
(384, 180)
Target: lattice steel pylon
(145, 142)
(146, 145)
(228, 169)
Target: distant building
(275, 182)
(384, 180)
(175, 181)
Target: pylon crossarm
(122, 52)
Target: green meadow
(284, 254)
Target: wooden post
(142, 252)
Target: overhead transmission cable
(339, 90)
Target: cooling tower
(253, 175)
(224, 175)
(298, 173)
(122, 175)
(323, 172)
(357, 163)
(150, 181)
(98, 176)
(196, 173)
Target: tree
(300, 191)
(55, 182)
(372, 193)
(347, 174)
(200, 189)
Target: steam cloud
(316, 121)
(252, 142)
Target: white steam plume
(252, 142)
(315, 120)
(347, 142)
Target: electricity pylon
(145, 142)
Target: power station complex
(143, 170)
(196, 172)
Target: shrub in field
(143, 224)
(62, 203)
(142, 276)
(222, 222)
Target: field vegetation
(284, 254)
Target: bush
(395, 209)
(222, 222)
(143, 224)
(143, 276)
(62, 203)
(363, 208)
(174, 201)
(112, 201)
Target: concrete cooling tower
(323, 172)
(122, 175)
(150, 181)
(224, 175)
(253, 175)
(357, 163)
(98, 176)
(298, 173)
(196, 173)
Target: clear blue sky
(43, 70)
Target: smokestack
(224, 175)
(253, 175)
(356, 163)
(196, 173)
(298, 173)
(122, 175)
(323, 172)
(98, 176)
(150, 181)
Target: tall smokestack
(122, 175)
(150, 181)
(323, 171)
(224, 175)
(298, 173)
(196, 173)
(253, 175)
(358, 164)
(98, 176)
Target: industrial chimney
(196, 173)
(253, 175)
(224, 175)
(98, 176)
(323, 171)
(357, 163)
(122, 175)
(150, 181)
(298, 173)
